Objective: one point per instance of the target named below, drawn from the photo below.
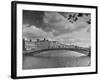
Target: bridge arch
(34, 52)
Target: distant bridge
(34, 52)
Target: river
(55, 59)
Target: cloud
(57, 27)
(58, 24)
(33, 32)
(80, 38)
(54, 22)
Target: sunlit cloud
(57, 27)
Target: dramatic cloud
(55, 22)
(54, 26)
(33, 32)
(58, 24)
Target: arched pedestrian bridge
(34, 52)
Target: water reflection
(54, 59)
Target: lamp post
(24, 44)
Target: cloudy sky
(65, 27)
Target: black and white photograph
(56, 39)
(53, 39)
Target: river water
(55, 59)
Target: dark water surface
(54, 59)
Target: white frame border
(36, 72)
